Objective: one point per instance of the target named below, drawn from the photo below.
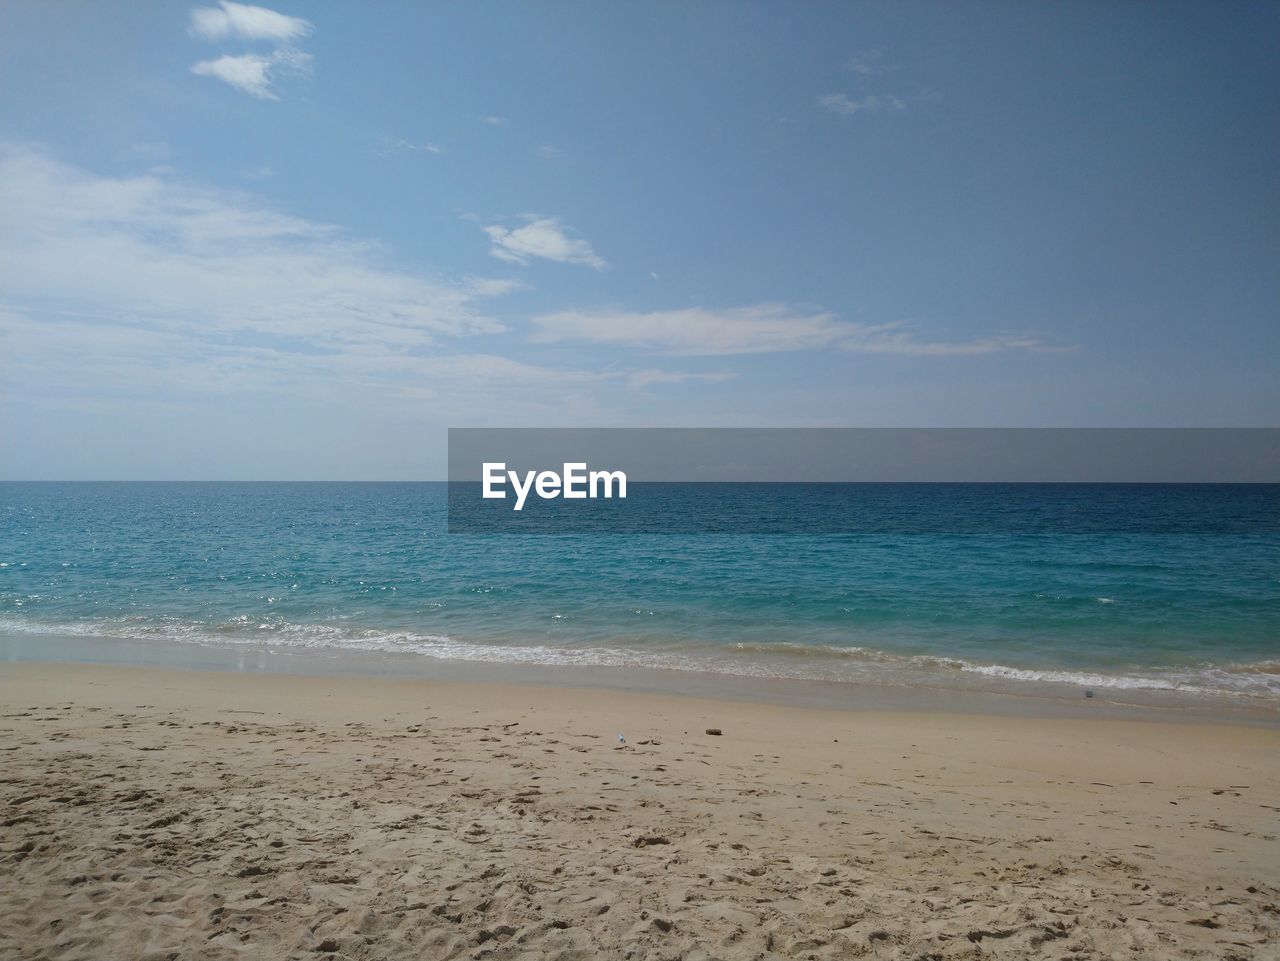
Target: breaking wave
(813, 662)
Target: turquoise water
(371, 567)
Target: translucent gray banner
(858, 480)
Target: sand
(157, 813)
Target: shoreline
(1040, 700)
(158, 810)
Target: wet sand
(161, 813)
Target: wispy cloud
(869, 63)
(756, 329)
(151, 290)
(155, 251)
(763, 328)
(866, 67)
(843, 104)
(638, 380)
(246, 22)
(392, 146)
(541, 238)
(896, 338)
(496, 121)
(253, 73)
(134, 363)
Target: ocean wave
(1258, 678)
(782, 660)
(1206, 681)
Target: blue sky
(301, 241)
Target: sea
(1188, 610)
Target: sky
(299, 242)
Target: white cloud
(495, 121)
(154, 251)
(640, 379)
(74, 357)
(149, 293)
(868, 64)
(542, 238)
(254, 73)
(248, 72)
(247, 22)
(764, 328)
(846, 106)
(756, 329)
(865, 66)
(895, 339)
(392, 146)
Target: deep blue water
(372, 567)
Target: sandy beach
(157, 813)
